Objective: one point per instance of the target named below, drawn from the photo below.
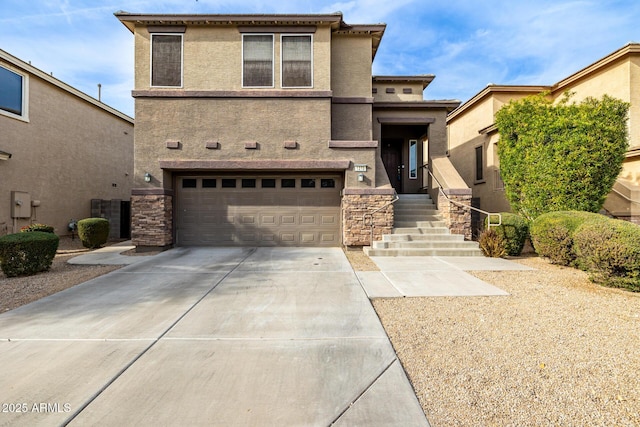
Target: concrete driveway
(202, 336)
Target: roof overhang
(445, 104)
(424, 79)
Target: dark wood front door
(392, 159)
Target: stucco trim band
(351, 100)
(353, 144)
(255, 165)
(366, 191)
(407, 120)
(180, 93)
(155, 191)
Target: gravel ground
(17, 291)
(559, 351)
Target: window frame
(282, 36)
(152, 35)
(479, 161)
(273, 61)
(413, 159)
(24, 114)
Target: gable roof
(30, 69)
(334, 20)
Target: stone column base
(356, 203)
(152, 218)
(457, 218)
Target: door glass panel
(288, 183)
(228, 183)
(413, 159)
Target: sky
(467, 44)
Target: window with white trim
(297, 66)
(13, 93)
(166, 60)
(257, 60)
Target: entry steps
(420, 231)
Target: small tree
(562, 156)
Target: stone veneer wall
(457, 218)
(152, 218)
(357, 203)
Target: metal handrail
(488, 214)
(373, 212)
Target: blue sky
(466, 44)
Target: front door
(392, 159)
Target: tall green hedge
(93, 232)
(557, 156)
(24, 254)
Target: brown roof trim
(255, 165)
(352, 144)
(131, 19)
(406, 120)
(181, 93)
(425, 79)
(449, 105)
(490, 89)
(351, 100)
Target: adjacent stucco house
(270, 130)
(473, 137)
(59, 149)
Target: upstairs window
(13, 94)
(166, 60)
(296, 61)
(257, 60)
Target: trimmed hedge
(552, 234)
(37, 227)
(610, 251)
(93, 232)
(25, 254)
(514, 230)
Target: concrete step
(422, 237)
(419, 224)
(415, 217)
(416, 230)
(422, 252)
(426, 244)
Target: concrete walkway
(431, 276)
(202, 336)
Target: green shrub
(24, 254)
(93, 232)
(37, 227)
(552, 234)
(610, 250)
(492, 244)
(514, 230)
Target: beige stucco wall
(351, 66)
(382, 95)
(351, 122)
(68, 153)
(212, 58)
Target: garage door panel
(257, 216)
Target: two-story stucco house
(271, 130)
(59, 150)
(473, 137)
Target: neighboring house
(59, 149)
(473, 136)
(270, 130)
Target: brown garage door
(296, 210)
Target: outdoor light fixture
(360, 177)
(5, 155)
(147, 177)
